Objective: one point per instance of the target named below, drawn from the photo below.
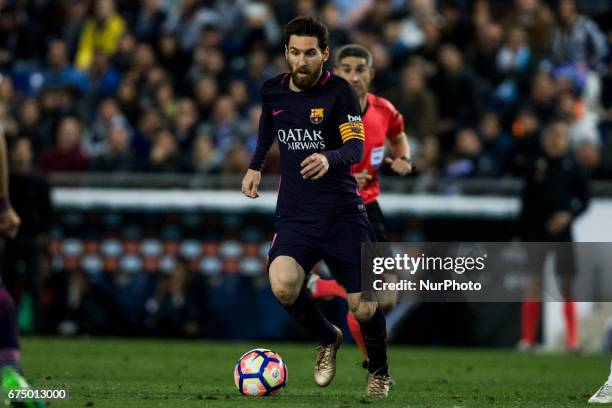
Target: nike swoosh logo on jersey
(277, 111)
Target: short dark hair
(307, 27)
(353, 50)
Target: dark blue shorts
(335, 241)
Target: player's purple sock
(375, 335)
(9, 345)
(305, 311)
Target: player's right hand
(363, 178)
(9, 223)
(250, 182)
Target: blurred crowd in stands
(173, 85)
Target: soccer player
(604, 393)
(10, 378)
(381, 122)
(316, 118)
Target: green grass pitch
(150, 373)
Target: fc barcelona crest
(316, 115)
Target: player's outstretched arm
(9, 220)
(250, 183)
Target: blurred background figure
(555, 194)
(23, 256)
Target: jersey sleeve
(348, 117)
(265, 138)
(396, 122)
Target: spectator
(483, 50)
(429, 46)
(207, 61)
(496, 146)
(172, 59)
(577, 40)
(104, 78)
(31, 126)
(164, 94)
(59, 72)
(236, 160)
(149, 123)
(582, 123)
(464, 158)
(514, 63)
(185, 123)
(118, 156)
(127, 97)
(76, 16)
(187, 21)
(148, 23)
(330, 16)
(427, 156)
(259, 25)
(416, 103)
(205, 157)
(125, 56)
(226, 127)
(142, 62)
(103, 31)
(526, 135)
(237, 89)
(536, 19)
(95, 143)
(66, 155)
(455, 28)
(258, 71)
(456, 91)
(165, 156)
(543, 96)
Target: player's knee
(285, 295)
(285, 281)
(363, 311)
(284, 290)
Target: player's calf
(373, 326)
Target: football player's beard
(306, 81)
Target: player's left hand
(314, 166)
(399, 165)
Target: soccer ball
(260, 372)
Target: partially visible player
(604, 393)
(382, 123)
(315, 117)
(10, 377)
